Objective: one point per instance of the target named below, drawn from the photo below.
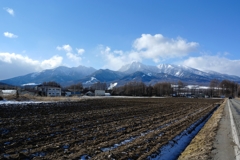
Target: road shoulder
(223, 144)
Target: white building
(8, 92)
(49, 91)
(99, 93)
(107, 94)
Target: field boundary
(202, 144)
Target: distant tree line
(225, 87)
(99, 86)
(216, 88)
(51, 83)
(135, 88)
(75, 87)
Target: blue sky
(38, 35)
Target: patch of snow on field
(84, 157)
(133, 138)
(174, 148)
(145, 133)
(117, 145)
(20, 102)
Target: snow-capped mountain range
(135, 71)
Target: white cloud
(9, 10)
(66, 48)
(9, 35)
(69, 53)
(158, 46)
(17, 64)
(214, 63)
(116, 59)
(154, 47)
(74, 58)
(53, 62)
(80, 51)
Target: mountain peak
(137, 66)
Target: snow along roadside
(202, 144)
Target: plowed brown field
(97, 129)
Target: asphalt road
(227, 144)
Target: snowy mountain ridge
(135, 71)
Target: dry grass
(202, 145)
(27, 97)
(58, 99)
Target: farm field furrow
(96, 128)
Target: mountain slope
(102, 75)
(183, 73)
(137, 66)
(62, 75)
(131, 72)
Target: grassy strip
(27, 97)
(202, 144)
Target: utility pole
(237, 90)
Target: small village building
(89, 93)
(49, 91)
(99, 92)
(9, 92)
(107, 94)
(68, 94)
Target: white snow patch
(34, 75)
(149, 74)
(92, 80)
(84, 157)
(20, 102)
(30, 84)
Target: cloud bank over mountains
(13, 64)
(76, 58)
(153, 47)
(146, 47)
(214, 63)
(158, 46)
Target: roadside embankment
(202, 144)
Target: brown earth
(69, 130)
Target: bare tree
(99, 86)
(51, 83)
(214, 86)
(162, 89)
(229, 88)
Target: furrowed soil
(97, 128)
(202, 145)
